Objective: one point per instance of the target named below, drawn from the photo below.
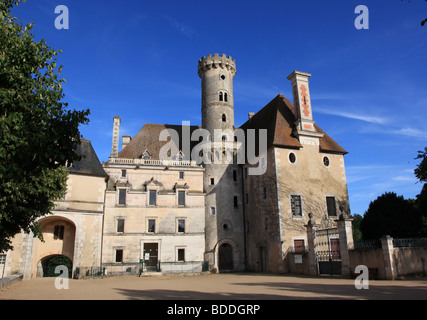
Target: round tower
(224, 232)
(217, 73)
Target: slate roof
(278, 117)
(148, 139)
(89, 164)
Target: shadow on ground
(287, 290)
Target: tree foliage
(391, 215)
(38, 134)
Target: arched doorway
(49, 264)
(225, 257)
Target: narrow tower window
(225, 97)
(221, 96)
(224, 118)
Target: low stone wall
(8, 281)
(297, 263)
(410, 261)
(371, 258)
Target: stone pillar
(345, 231)
(390, 267)
(311, 255)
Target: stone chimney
(125, 141)
(116, 137)
(302, 102)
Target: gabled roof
(278, 117)
(89, 164)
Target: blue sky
(138, 60)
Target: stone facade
(152, 205)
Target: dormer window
(146, 155)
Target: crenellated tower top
(217, 61)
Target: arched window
(224, 138)
(221, 96)
(225, 97)
(224, 118)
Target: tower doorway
(225, 257)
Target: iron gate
(327, 251)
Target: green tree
(357, 233)
(391, 215)
(38, 135)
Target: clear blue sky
(138, 59)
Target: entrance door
(151, 256)
(225, 257)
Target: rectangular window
(264, 193)
(245, 172)
(153, 198)
(332, 209)
(120, 225)
(298, 246)
(296, 206)
(181, 225)
(123, 173)
(181, 198)
(58, 233)
(152, 226)
(122, 197)
(119, 255)
(181, 176)
(236, 202)
(213, 211)
(181, 255)
(234, 175)
(212, 181)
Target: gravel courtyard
(242, 286)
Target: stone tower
(225, 248)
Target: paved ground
(216, 287)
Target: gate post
(345, 232)
(312, 264)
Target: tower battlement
(217, 61)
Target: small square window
(296, 206)
(122, 197)
(236, 202)
(331, 206)
(58, 233)
(119, 255)
(120, 225)
(152, 226)
(181, 225)
(212, 181)
(181, 255)
(153, 198)
(213, 211)
(181, 198)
